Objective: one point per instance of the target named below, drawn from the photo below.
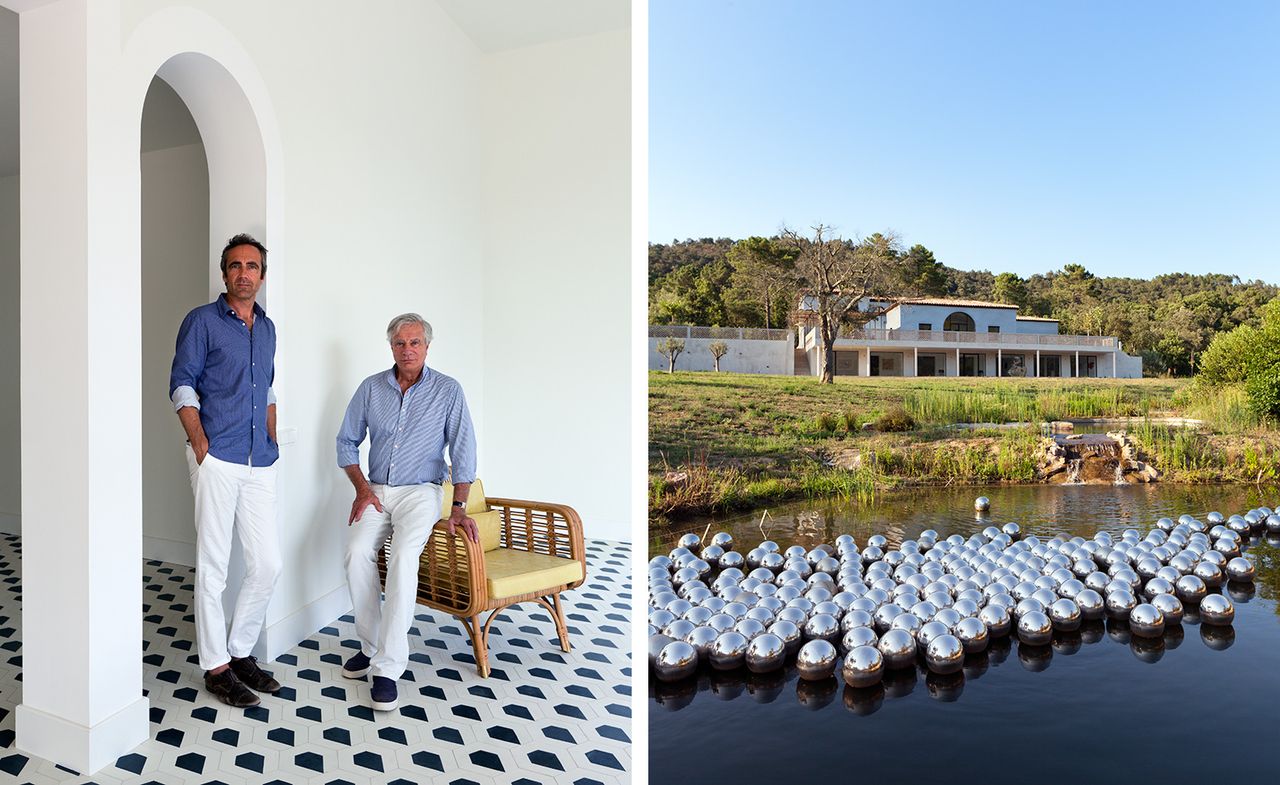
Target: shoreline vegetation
(720, 442)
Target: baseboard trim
(80, 748)
(171, 551)
(280, 637)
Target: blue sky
(1133, 138)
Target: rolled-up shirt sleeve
(461, 439)
(271, 396)
(188, 363)
(354, 426)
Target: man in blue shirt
(411, 414)
(220, 385)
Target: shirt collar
(391, 377)
(224, 307)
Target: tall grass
(1223, 409)
(1017, 404)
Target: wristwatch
(457, 503)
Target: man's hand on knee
(364, 497)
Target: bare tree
(718, 349)
(671, 349)
(837, 274)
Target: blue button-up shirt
(408, 433)
(226, 370)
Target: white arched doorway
(81, 107)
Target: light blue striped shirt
(408, 434)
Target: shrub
(895, 419)
(826, 422)
(850, 421)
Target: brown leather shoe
(254, 678)
(228, 688)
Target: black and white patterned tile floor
(542, 716)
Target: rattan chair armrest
(451, 573)
(542, 527)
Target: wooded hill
(1169, 319)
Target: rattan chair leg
(479, 644)
(561, 627)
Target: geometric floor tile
(542, 716)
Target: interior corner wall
(557, 277)
(175, 279)
(10, 419)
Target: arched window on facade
(959, 322)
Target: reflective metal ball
(982, 504)
(997, 619)
(822, 627)
(1091, 604)
(1035, 628)
(729, 651)
(945, 654)
(1191, 589)
(677, 660)
(1120, 604)
(1241, 570)
(973, 634)
(863, 667)
(656, 644)
(1065, 614)
(1170, 607)
(766, 653)
(858, 636)
(898, 647)
(789, 633)
(817, 660)
(1146, 621)
(689, 541)
(1217, 610)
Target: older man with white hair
(411, 413)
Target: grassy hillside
(721, 441)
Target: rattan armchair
(528, 551)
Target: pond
(1100, 703)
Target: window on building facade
(959, 322)
(993, 328)
(925, 327)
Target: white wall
(744, 356)
(10, 420)
(175, 263)
(556, 292)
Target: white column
(1113, 364)
(82, 703)
(1077, 368)
(1037, 363)
(999, 356)
(957, 373)
(915, 361)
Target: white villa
(917, 337)
(943, 337)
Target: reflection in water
(1060, 689)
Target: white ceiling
(499, 25)
(494, 26)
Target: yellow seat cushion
(511, 572)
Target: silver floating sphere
(1146, 620)
(1091, 604)
(766, 653)
(973, 634)
(1065, 615)
(1273, 524)
(817, 660)
(677, 660)
(731, 559)
(729, 651)
(997, 620)
(858, 636)
(945, 654)
(822, 627)
(1217, 610)
(982, 504)
(898, 647)
(885, 615)
(1170, 607)
(723, 539)
(699, 614)
(768, 546)
(721, 622)
(794, 552)
(1120, 604)
(656, 644)
(689, 542)
(856, 618)
(1158, 586)
(1035, 628)
(863, 667)
(712, 553)
(1241, 570)
(1191, 589)
(789, 633)
(749, 628)
(926, 634)
(1012, 531)
(678, 629)
(701, 639)
(772, 562)
(906, 621)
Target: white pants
(409, 511)
(232, 496)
